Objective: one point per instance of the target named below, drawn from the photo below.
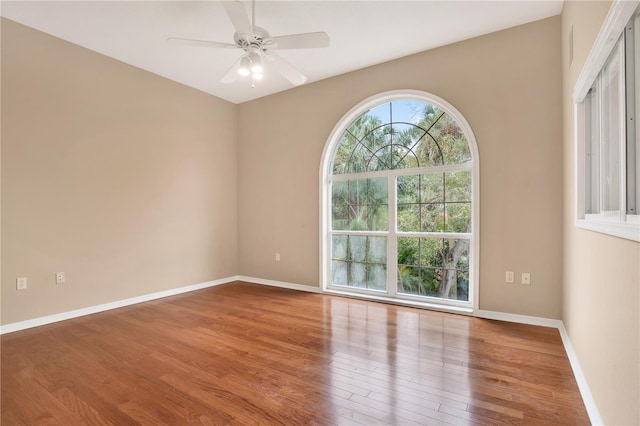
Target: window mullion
(623, 104)
(601, 154)
(588, 155)
(392, 241)
(446, 235)
(595, 180)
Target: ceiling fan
(258, 47)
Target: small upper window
(608, 151)
(387, 138)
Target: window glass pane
(432, 188)
(343, 153)
(357, 248)
(444, 202)
(429, 152)
(612, 84)
(360, 205)
(340, 193)
(434, 282)
(408, 189)
(592, 152)
(406, 138)
(409, 280)
(406, 135)
(339, 205)
(339, 247)
(445, 142)
(408, 212)
(451, 141)
(431, 251)
(462, 284)
(458, 217)
(458, 186)
(432, 217)
(377, 143)
(408, 217)
(378, 199)
(431, 279)
(418, 281)
(377, 161)
(405, 111)
(339, 217)
(408, 251)
(382, 113)
(358, 161)
(359, 261)
(365, 124)
(339, 272)
(436, 267)
(378, 192)
(404, 158)
(377, 277)
(357, 274)
(377, 250)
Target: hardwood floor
(248, 354)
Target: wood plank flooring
(248, 354)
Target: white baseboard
(520, 319)
(282, 284)
(587, 397)
(22, 325)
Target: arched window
(399, 185)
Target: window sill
(451, 307)
(629, 231)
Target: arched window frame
(325, 198)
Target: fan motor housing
(255, 40)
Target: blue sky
(403, 110)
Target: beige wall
(506, 84)
(124, 180)
(601, 273)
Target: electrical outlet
(508, 276)
(277, 257)
(60, 278)
(526, 278)
(21, 283)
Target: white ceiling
(363, 33)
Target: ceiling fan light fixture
(257, 68)
(258, 76)
(245, 65)
(256, 63)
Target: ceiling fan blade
(232, 74)
(286, 69)
(299, 41)
(203, 43)
(238, 16)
